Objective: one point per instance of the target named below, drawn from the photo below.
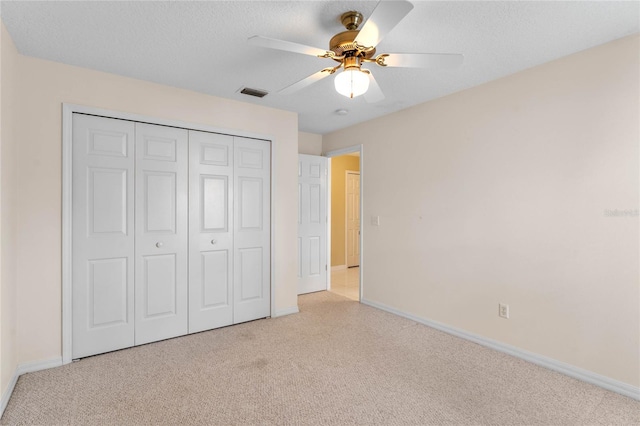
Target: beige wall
(44, 86)
(309, 143)
(339, 166)
(8, 211)
(498, 194)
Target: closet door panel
(160, 202)
(161, 232)
(215, 278)
(103, 235)
(160, 286)
(210, 230)
(252, 239)
(250, 281)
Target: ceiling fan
(353, 48)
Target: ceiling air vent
(254, 92)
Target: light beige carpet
(335, 363)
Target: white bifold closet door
(210, 231)
(161, 233)
(252, 229)
(229, 221)
(171, 232)
(103, 235)
(129, 269)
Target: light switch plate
(375, 220)
(503, 310)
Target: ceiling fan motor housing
(342, 44)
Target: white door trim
(337, 153)
(328, 223)
(346, 214)
(67, 116)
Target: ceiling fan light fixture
(352, 82)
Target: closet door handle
(158, 244)
(214, 241)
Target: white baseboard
(286, 311)
(6, 395)
(550, 363)
(28, 367)
(338, 267)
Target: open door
(312, 223)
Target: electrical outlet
(503, 310)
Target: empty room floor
(337, 362)
(346, 282)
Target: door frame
(336, 153)
(346, 214)
(68, 110)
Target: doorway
(345, 233)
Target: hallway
(346, 282)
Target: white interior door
(210, 230)
(103, 235)
(161, 233)
(312, 223)
(252, 229)
(353, 219)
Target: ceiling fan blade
(423, 60)
(374, 93)
(383, 19)
(306, 82)
(288, 46)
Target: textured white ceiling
(202, 46)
